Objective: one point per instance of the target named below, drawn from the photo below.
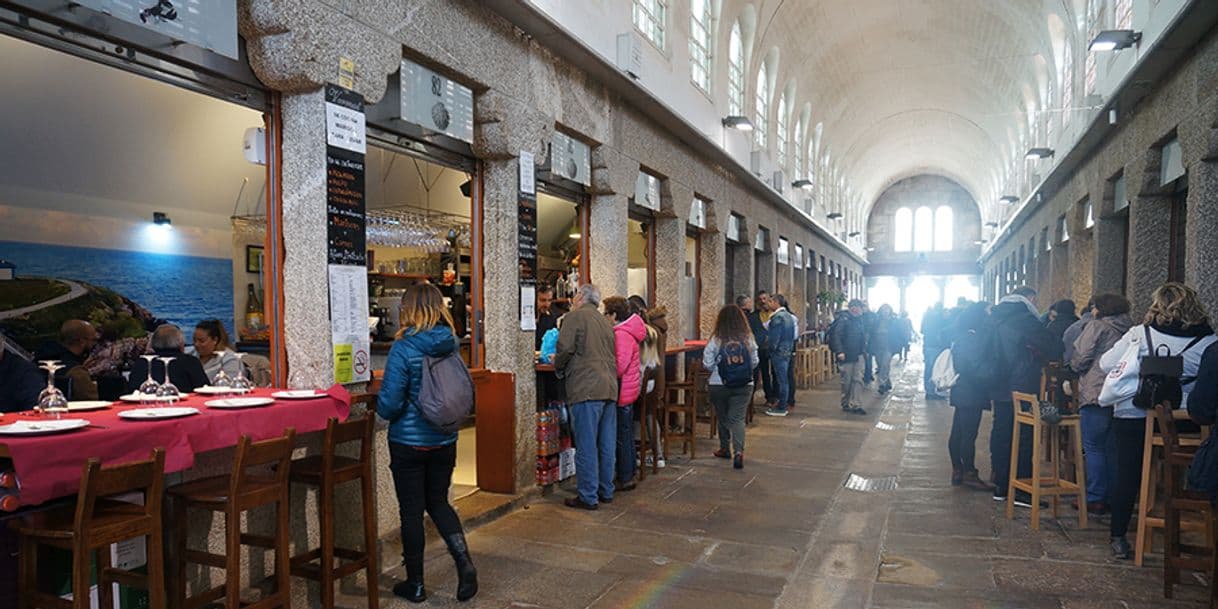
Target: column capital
(294, 45)
(612, 172)
(504, 126)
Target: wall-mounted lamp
(574, 235)
(854, 234)
(979, 242)
(802, 183)
(160, 218)
(1113, 115)
(1040, 153)
(1114, 40)
(834, 216)
(740, 123)
(1009, 199)
(991, 224)
(466, 187)
(870, 248)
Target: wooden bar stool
(90, 527)
(684, 398)
(1039, 485)
(326, 471)
(232, 494)
(1150, 512)
(1176, 457)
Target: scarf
(1021, 300)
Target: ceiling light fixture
(802, 183)
(834, 216)
(161, 219)
(991, 224)
(574, 235)
(854, 234)
(740, 123)
(1114, 40)
(1040, 153)
(1009, 199)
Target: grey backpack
(446, 395)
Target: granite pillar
(1149, 238)
(613, 177)
(1202, 230)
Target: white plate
(136, 398)
(149, 414)
(239, 402)
(209, 390)
(36, 428)
(298, 394)
(81, 406)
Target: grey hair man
(185, 371)
(585, 359)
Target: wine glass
(168, 392)
(51, 398)
(222, 381)
(241, 384)
(148, 389)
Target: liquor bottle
(253, 309)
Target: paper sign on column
(528, 308)
(349, 323)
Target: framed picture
(253, 259)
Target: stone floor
(784, 533)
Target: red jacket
(627, 336)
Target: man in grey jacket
(585, 359)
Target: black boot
(412, 589)
(467, 575)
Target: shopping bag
(1121, 384)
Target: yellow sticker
(346, 73)
(343, 358)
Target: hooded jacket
(586, 357)
(1175, 338)
(1071, 336)
(1097, 338)
(1025, 346)
(626, 337)
(398, 401)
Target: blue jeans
(1096, 421)
(595, 426)
(782, 379)
(625, 444)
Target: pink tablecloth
(49, 466)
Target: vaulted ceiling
(905, 87)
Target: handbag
(1050, 414)
(1121, 384)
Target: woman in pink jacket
(628, 331)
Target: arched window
(1095, 22)
(780, 124)
(650, 17)
(903, 230)
(943, 229)
(735, 72)
(762, 109)
(924, 229)
(1067, 82)
(799, 149)
(1123, 13)
(701, 29)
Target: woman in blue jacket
(422, 457)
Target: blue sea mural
(179, 289)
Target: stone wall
(1101, 257)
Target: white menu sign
(436, 103)
(571, 158)
(349, 323)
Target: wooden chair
(90, 527)
(1177, 457)
(1039, 485)
(684, 398)
(325, 472)
(232, 494)
(1150, 512)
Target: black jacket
(20, 383)
(759, 332)
(848, 335)
(933, 326)
(1058, 327)
(884, 335)
(1203, 400)
(969, 390)
(56, 351)
(1025, 346)
(185, 371)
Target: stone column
(669, 260)
(713, 285)
(613, 177)
(1202, 227)
(742, 263)
(1108, 275)
(1149, 237)
(503, 128)
(1082, 257)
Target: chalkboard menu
(345, 149)
(526, 222)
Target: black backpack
(1159, 376)
(977, 355)
(446, 394)
(735, 367)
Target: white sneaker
(660, 463)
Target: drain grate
(863, 484)
(882, 426)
